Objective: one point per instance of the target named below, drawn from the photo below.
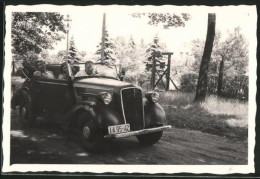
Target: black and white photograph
(124, 89)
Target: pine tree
(155, 46)
(73, 55)
(109, 50)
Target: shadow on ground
(47, 143)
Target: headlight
(106, 97)
(152, 96)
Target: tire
(90, 136)
(25, 114)
(149, 139)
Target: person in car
(88, 71)
(41, 71)
(63, 72)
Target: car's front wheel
(150, 139)
(90, 136)
(25, 114)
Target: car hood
(101, 83)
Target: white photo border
(150, 169)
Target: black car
(98, 107)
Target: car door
(57, 95)
(53, 96)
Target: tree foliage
(197, 48)
(73, 53)
(134, 56)
(166, 19)
(155, 46)
(131, 57)
(233, 49)
(229, 60)
(35, 31)
(109, 50)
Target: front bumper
(134, 133)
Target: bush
(233, 87)
(189, 82)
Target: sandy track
(46, 143)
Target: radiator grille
(133, 108)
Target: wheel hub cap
(86, 132)
(23, 113)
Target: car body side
(68, 99)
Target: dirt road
(46, 143)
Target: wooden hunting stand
(166, 72)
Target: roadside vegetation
(219, 116)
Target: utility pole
(68, 20)
(67, 30)
(103, 39)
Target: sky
(86, 25)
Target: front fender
(154, 114)
(104, 116)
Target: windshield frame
(116, 77)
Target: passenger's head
(89, 67)
(40, 65)
(64, 68)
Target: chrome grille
(133, 108)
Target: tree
(153, 47)
(201, 90)
(166, 19)
(62, 54)
(109, 50)
(197, 52)
(229, 57)
(131, 57)
(32, 32)
(73, 54)
(45, 54)
(233, 53)
(83, 53)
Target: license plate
(119, 129)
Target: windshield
(98, 70)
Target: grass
(220, 106)
(223, 117)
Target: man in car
(41, 71)
(88, 71)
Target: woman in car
(41, 71)
(63, 72)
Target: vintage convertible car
(97, 107)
